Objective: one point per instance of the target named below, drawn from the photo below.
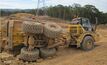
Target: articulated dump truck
(42, 40)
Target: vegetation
(67, 12)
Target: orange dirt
(74, 56)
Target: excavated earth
(69, 56)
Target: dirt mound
(21, 16)
(102, 26)
(26, 16)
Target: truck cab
(85, 22)
(82, 33)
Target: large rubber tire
(45, 52)
(87, 44)
(29, 55)
(32, 27)
(52, 30)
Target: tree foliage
(67, 12)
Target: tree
(67, 12)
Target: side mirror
(95, 25)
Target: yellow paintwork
(18, 35)
(18, 38)
(80, 34)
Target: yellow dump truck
(42, 40)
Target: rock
(15, 62)
(7, 62)
(6, 56)
(39, 60)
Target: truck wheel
(32, 27)
(29, 55)
(45, 52)
(88, 43)
(52, 30)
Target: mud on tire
(29, 55)
(52, 30)
(32, 27)
(45, 52)
(87, 44)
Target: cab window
(86, 24)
